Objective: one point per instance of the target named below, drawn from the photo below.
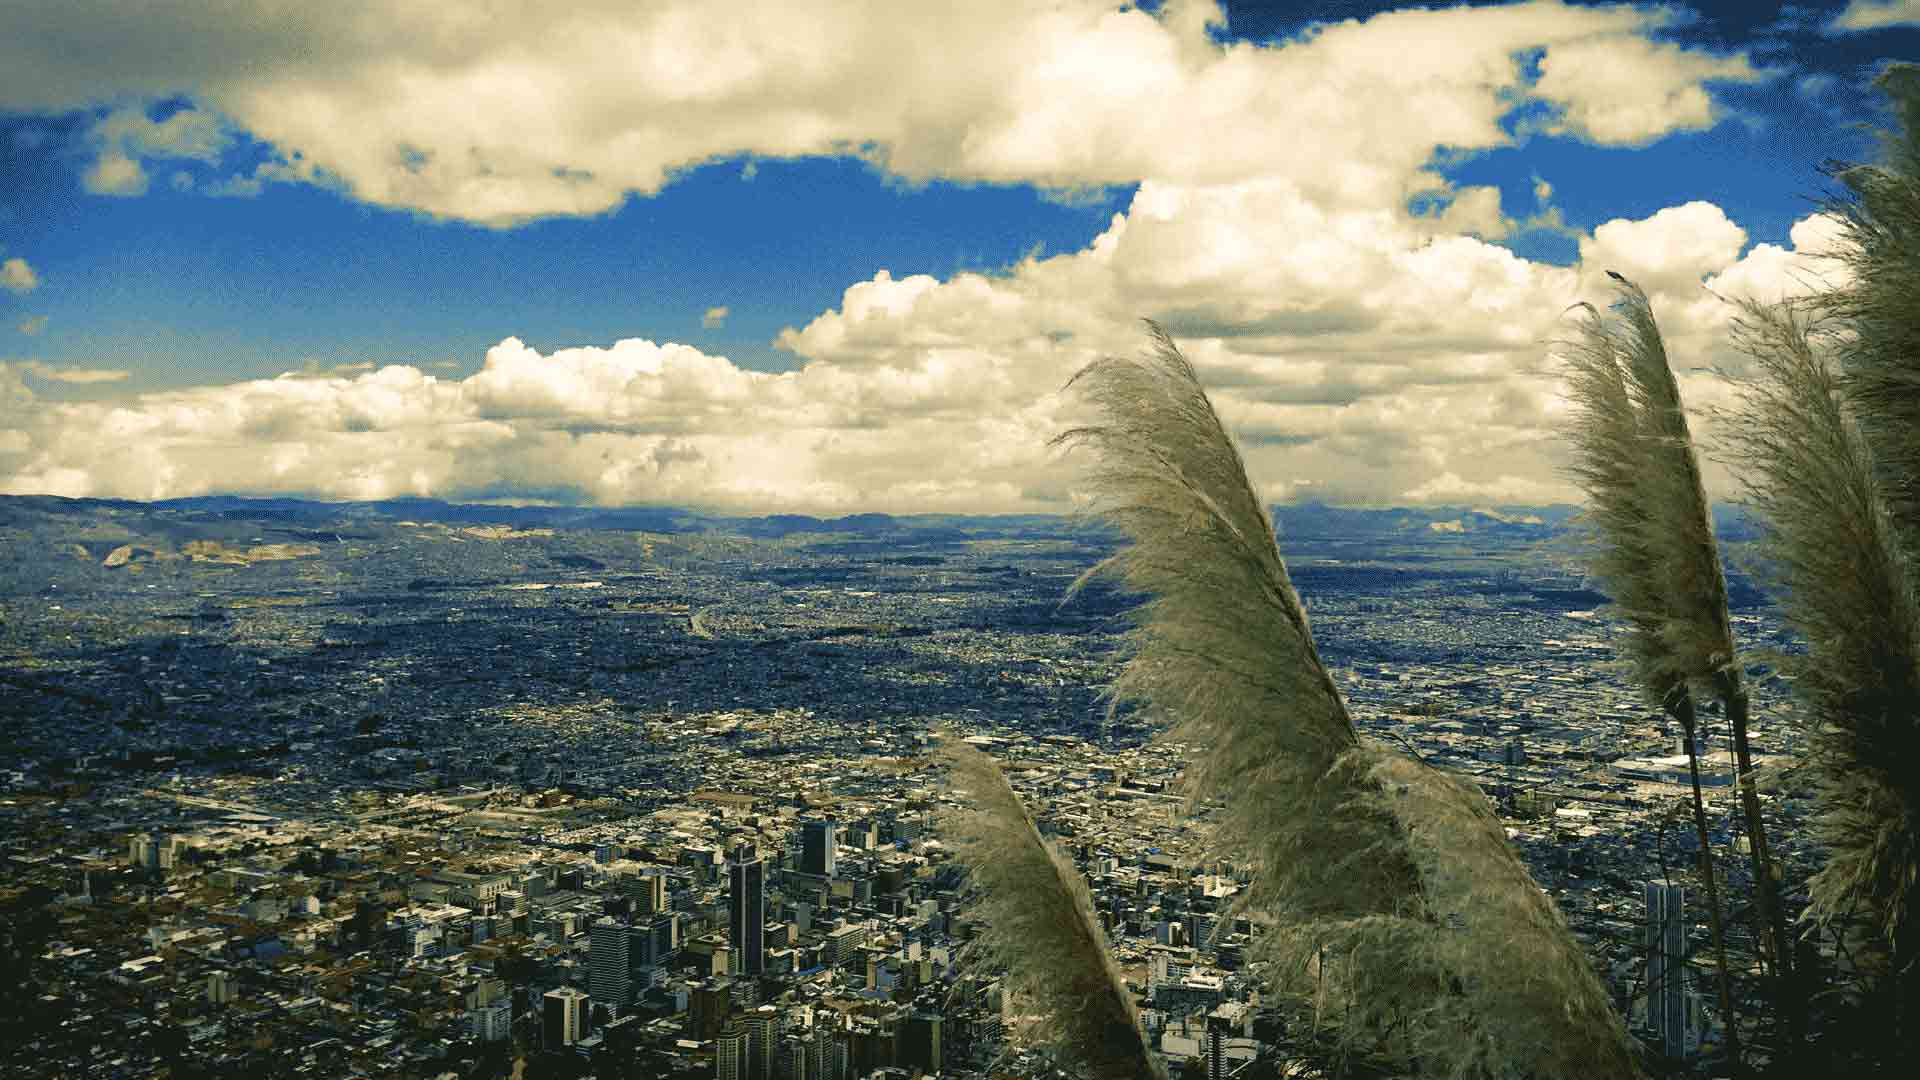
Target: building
(919, 1042)
(1669, 998)
(806, 1056)
(843, 944)
(818, 840)
(1219, 1030)
(730, 1054)
(761, 1026)
(649, 892)
(610, 963)
(707, 1008)
(143, 851)
(747, 909)
(563, 1017)
(219, 987)
(492, 1022)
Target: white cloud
(127, 136)
(115, 173)
(1362, 351)
(1379, 361)
(18, 276)
(51, 373)
(1450, 488)
(714, 317)
(32, 325)
(187, 133)
(1633, 90)
(522, 113)
(1876, 15)
(1672, 251)
(1770, 273)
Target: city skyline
(804, 262)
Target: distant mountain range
(1307, 520)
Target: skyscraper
(747, 909)
(563, 1017)
(817, 842)
(760, 1025)
(1667, 992)
(609, 972)
(649, 892)
(492, 1022)
(730, 1054)
(1219, 1030)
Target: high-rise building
(563, 1017)
(610, 963)
(649, 892)
(1668, 996)
(219, 987)
(760, 1025)
(1219, 1030)
(817, 842)
(707, 1008)
(492, 1022)
(843, 944)
(747, 909)
(654, 943)
(919, 1042)
(730, 1054)
(143, 851)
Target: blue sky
(276, 199)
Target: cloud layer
(1378, 363)
(507, 112)
(1362, 351)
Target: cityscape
(425, 790)
(1009, 540)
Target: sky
(836, 256)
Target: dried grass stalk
(1040, 926)
(1849, 585)
(1385, 890)
(1879, 301)
(1633, 456)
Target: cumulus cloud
(632, 422)
(187, 133)
(714, 318)
(1383, 362)
(1361, 333)
(1633, 90)
(127, 136)
(1876, 15)
(514, 113)
(114, 172)
(18, 276)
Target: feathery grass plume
(1880, 300)
(1040, 926)
(1633, 457)
(1384, 891)
(1809, 469)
